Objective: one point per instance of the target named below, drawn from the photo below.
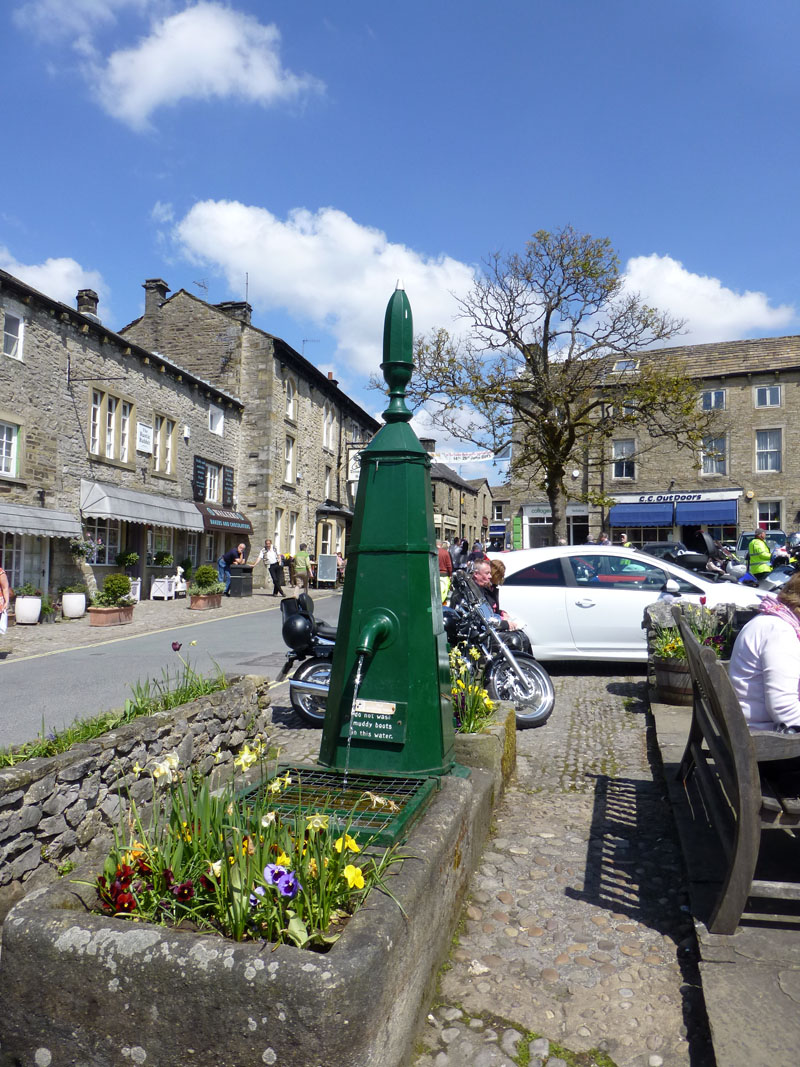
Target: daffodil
(216, 868)
(354, 876)
(268, 819)
(245, 758)
(192, 642)
(317, 822)
(137, 770)
(283, 860)
(346, 842)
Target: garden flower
(184, 891)
(354, 876)
(245, 758)
(288, 884)
(169, 878)
(192, 642)
(317, 822)
(268, 819)
(258, 891)
(284, 860)
(346, 842)
(137, 769)
(216, 868)
(176, 646)
(125, 902)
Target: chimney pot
(155, 293)
(86, 301)
(428, 443)
(240, 309)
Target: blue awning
(641, 515)
(706, 512)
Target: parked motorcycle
(311, 642)
(510, 671)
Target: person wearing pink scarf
(765, 663)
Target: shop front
(537, 525)
(30, 538)
(676, 516)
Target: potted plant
(73, 601)
(48, 609)
(669, 654)
(113, 604)
(205, 590)
(28, 605)
(163, 559)
(127, 559)
(82, 547)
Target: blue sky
(322, 152)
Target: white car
(587, 601)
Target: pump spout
(377, 630)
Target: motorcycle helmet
(517, 641)
(297, 631)
(793, 541)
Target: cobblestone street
(576, 935)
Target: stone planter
(116, 616)
(204, 601)
(27, 610)
(136, 588)
(673, 681)
(73, 605)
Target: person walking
(272, 561)
(302, 566)
(233, 556)
(445, 569)
(5, 597)
(759, 554)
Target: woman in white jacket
(765, 663)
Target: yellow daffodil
(283, 860)
(317, 822)
(216, 868)
(137, 770)
(354, 876)
(245, 758)
(275, 787)
(346, 842)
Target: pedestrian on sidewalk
(272, 561)
(302, 566)
(233, 556)
(5, 597)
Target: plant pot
(27, 610)
(116, 616)
(73, 605)
(674, 681)
(204, 601)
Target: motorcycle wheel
(502, 683)
(309, 706)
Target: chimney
(87, 303)
(331, 378)
(428, 443)
(155, 294)
(239, 309)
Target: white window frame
(328, 482)
(293, 517)
(216, 420)
(767, 396)
(9, 449)
(765, 448)
(13, 342)
(709, 398)
(160, 539)
(193, 547)
(125, 413)
(105, 533)
(291, 399)
(628, 364)
(325, 538)
(112, 407)
(714, 454)
(163, 444)
(328, 422)
(769, 514)
(12, 557)
(276, 540)
(622, 457)
(213, 482)
(110, 421)
(289, 470)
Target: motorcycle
(509, 669)
(311, 642)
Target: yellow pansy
(283, 860)
(347, 842)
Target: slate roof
(760, 355)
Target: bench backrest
(718, 715)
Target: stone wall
(55, 812)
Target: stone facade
(297, 426)
(82, 407)
(748, 474)
(54, 811)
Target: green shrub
(127, 559)
(116, 592)
(79, 587)
(28, 590)
(187, 568)
(206, 576)
(163, 559)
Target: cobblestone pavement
(575, 944)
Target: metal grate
(324, 791)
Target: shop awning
(707, 512)
(641, 515)
(102, 501)
(215, 518)
(329, 508)
(41, 522)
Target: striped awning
(41, 522)
(102, 501)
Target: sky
(309, 156)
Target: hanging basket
(674, 681)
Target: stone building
(747, 473)
(100, 439)
(300, 432)
(460, 508)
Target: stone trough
(78, 988)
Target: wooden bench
(745, 792)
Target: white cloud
(162, 212)
(712, 312)
(205, 51)
(80, 19)
(323, 267)
(59, 278)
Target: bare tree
(555, 361)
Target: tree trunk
(558, 510)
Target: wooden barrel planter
(674, 681)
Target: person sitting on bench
(765, 663)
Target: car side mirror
(671, 586)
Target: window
(546, 572)
(288, 454)
(12, 557)
(768, 396)
(626, 364)
(193, 546)
(291, 399)
(216, 420)
(623, 458)
(210, 555)
(325, 532)
(713, 455)
(328, 421)
(164, 444)
(276, 540)
(497, 512)
(328, 475)
(12, 336)
(105, 534)
(713, 400)
(292, 547)
(212, 482)
(110, 420)
(768, 450)
(769, 514)
(159, 539)
(9, 437)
